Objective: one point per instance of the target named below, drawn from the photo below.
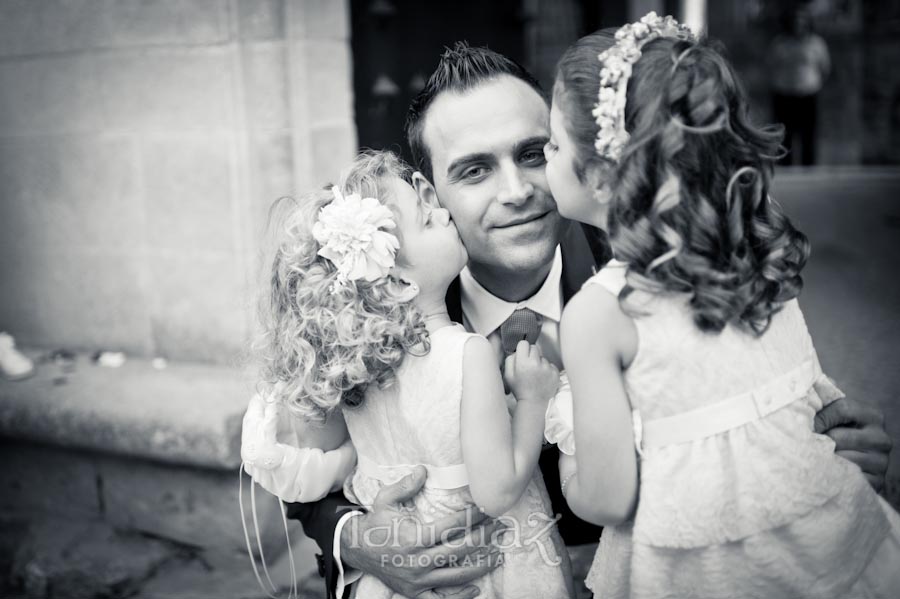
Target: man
(476, 132)
(799, 64)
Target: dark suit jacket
(583, 250)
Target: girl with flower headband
(691, 346)
(357, 341)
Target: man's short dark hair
(460, 69)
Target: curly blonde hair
(322, 345)
(691, 211)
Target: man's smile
(518, 221)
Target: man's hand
(858, 432)
(416, 559)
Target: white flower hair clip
(617, 61)
(353, 233)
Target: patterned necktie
(521, 324)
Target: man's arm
(319, 520)
(859, 436)
(419, 558)
(462, 549)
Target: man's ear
(425, 190)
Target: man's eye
(476, 172)
(533, 157)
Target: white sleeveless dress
(416, 421)
(738, 496)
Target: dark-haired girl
(691, 346)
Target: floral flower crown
(617, 62)
(353, 233)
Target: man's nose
(515, 188)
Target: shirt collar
(486, 312)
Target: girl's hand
(529, 375)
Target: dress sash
(439, 477)
(733, 412)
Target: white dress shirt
(483, 312)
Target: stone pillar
(141, 144)
(693, 14)
(320, 81)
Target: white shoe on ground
(13, 365)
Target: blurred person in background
(799, 63)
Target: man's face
(486, 148)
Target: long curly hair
(321, 345)
(690, 210)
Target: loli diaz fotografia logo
(469, 544)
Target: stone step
(187, 414)
(142, 449)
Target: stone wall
(141, 143)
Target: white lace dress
(738, 496)
(417, 421)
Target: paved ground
(233, 578)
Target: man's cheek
(480, 248)
(470, 229)
(538, 178)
